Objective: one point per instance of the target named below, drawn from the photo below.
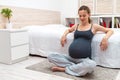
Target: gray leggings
(75, 67)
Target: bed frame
(26, 16)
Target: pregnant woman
(79, 62)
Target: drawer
(19, 52)
(18, 38)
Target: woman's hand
(104, 44)
(63, 40)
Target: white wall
(38, 4)
(68, 8)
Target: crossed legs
(65, 64)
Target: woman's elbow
(111, 31)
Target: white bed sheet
(111, 56)
(46, 39)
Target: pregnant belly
(80, 48)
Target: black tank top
(81, 45)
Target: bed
(45, 40)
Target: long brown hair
(88, 11)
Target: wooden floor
(17, 71)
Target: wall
(38, 4)
(68, 8)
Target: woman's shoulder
(75, 26)
(96, 25)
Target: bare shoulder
(96, 27)
(75, 26)
(71, 29)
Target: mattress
(110, 57)
(44, 40)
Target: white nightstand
(14, 45)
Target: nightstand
(14, 45)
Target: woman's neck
(84, 24)
(84, 27)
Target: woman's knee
(50, 56)
(53, 56)
(92, 64)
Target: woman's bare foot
(56, 68)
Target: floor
(17, 71)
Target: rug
(100, 73)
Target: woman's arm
(108, 31)
(63, 38)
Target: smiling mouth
(82, 20)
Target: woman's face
(83, 15)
